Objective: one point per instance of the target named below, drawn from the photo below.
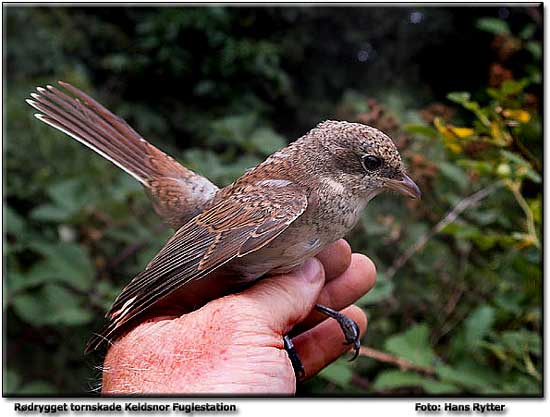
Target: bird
(269, 221)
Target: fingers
(335, 258)
(322, 345)
(347, 288)
(284, 300)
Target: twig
(531, 229)
(449, 218)
(402, 363)
(456, 294)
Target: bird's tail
(87, 121)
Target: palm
(235, 344)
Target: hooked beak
(405, 186)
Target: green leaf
(413, 345)
(18, 281)
(30, 308)
(266, 141)
(535, 48)
(509, 302)
(338, 373)
(393, 379)
(422, 130)
(459, 97)
(381, 291)
(439, 388)
(455, 174)
(65, 262)
(479, 323)
(37, 388)
(493, 25)
(528, 31)
(355, 102)
(396, 379)
(521, 341)
(520, 161)
(512, 87)
(11, 381)
(70, 194)
(65, 307)
(13, 222)
(51, 305)
(510, 156)
(51, 213)
(471, 376)
(521, 383)
(236, 129)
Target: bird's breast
(330, 218)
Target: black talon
(295, 360)
(349, 327)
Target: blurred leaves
(51, 305)
(68, 199)
(338, 373)
(493, 25)
(412, 345)
(475, 271)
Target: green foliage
(221, 88)
(338, 373)
(487, 342)
(412, 345)
(493, 25)
(388, 380)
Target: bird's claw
(349, 328)
(295, 360)
(351, 333)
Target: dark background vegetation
(457, 306)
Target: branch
(402, 363)
(530, 220)
(449, 218)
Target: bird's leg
(348, 326)
(295, 360)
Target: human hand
(234, 344)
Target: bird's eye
(371, 162)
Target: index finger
(336, 258)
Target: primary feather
(234, 227)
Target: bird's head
(364, 158)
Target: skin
(234, 344)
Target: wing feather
(236, 226)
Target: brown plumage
(177, 192)
(269, 221)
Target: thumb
(284, 300)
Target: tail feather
(178, 193)
(98, 118)
(91, 124)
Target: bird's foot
(295, 360)
(349, 327)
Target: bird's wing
(177, 193)
(238, 225)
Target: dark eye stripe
(371, 162)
